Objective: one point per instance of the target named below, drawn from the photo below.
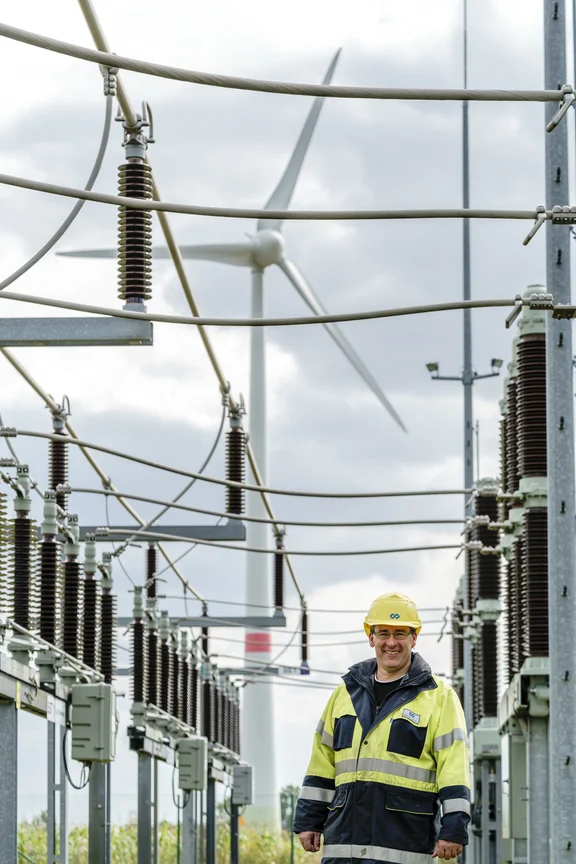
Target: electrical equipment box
(93, 723)
(242, 785)
(193, 764)
(514, 785)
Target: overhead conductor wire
(174, 73)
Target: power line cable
(223, 482)
(298, 608)
(175, 73)
(297, 321)
(59, 233)
(251, 213)
(158, 535)
(244, 518)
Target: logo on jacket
(415, 718)
(394, 615)
(363, 852)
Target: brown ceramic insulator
(50, 589)
(185, 691)
(207, 711)
(58, 468)
(108, 637)
(72, 623)
(235, 470)
(279, 558)
(176, 685)
(139, 664)
(304, 638)
(135, 235)
(457, 643)
(204, 641)
(519, 595)
(91, 624)
(213, 713)
(23, 576)
(194, 697)
(165, 677)
(151, 570)
(512, 475)
(485, 569)
(238, 726)
(535, 584)
(222, 712)
(489, 653)
(531, 419)
(503, 508)
(153, 669)
(217, 715)
(5, 592)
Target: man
(388, 780)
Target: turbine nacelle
(268, 247)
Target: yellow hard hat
(396, 610)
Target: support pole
(211, 821)
(560, 446)
(97, 815)
(538, 789)
(258, 709)
(156, 825)
(56, 825)
(9, 784)
(234, 834)
(63, 790)
(51, 794)
(189, 855)
(144, 808)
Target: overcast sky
(327, 431)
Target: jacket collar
(363, 672)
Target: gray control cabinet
(93, 723)
(192, 764)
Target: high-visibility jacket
(384, 785)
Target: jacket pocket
(339, 799)
(408, 734)
(344, 731)
(405, 802)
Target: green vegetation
(256, 847)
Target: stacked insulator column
(525, 541)
(208, 719)
(3, 548)
(236, 724)
(135, 235)
(279, 559)
(194, 695)
(458, 647)
(109, 618)
(176, 684)
(21, 593)
(58, 458)
(185, 679)
(152, 635)
(50, 574)
(485, 596)
(139, 652)
(91, 608)
(235, 464)
(166, 664)
(73, 623)
(304, 667)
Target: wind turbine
(264, 249)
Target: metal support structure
(561, 484)
(211, 821)
(232, 530)
(189, 833)
(57, 809)
(97, 834)
(156, 820)
(144, 808)
(538, 780)
(73, 332)
(9, 784)
(234, 834)
(257, 621)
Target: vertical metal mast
(467, 371)
(560, 442)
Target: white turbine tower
(263, 249)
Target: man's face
(393, 647)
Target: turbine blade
(282, 195)
(236, 254)
(310, 298)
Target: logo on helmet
(394, 615)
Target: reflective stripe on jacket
(383, 786)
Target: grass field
(256, 847)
